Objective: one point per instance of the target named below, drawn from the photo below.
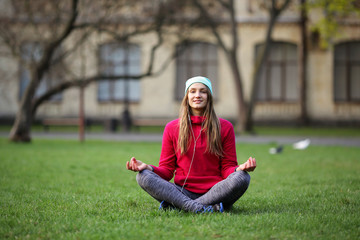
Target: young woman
(199, 149)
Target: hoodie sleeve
(167, 161)
(228, 161)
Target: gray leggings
(227, 191)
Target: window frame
(125, 62)
(348, 64)
(284, 64)
(186, 61)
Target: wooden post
(81, 116)
(81, 101)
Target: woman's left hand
(248, 166)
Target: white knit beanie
(198, 79)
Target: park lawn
(57, 189)
(308, 131)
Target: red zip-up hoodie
(207, 169)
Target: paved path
(136, 137)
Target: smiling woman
(199, 149)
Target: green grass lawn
(53, 189)
(308, 131)
(259, 130)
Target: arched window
(279, 73)
(119, 60)
(347, 72)
(194, 59)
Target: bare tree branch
(83, 82)
(234, 32)
(212, 24)
(60, 21)
(9, 39)
(69, 51)
(274, 13)
(226, 5)
(50, 48)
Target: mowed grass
(309, 131)
(53, 189)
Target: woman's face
(198, 97)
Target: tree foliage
(335, 12)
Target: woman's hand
(137, 166)
(248, 166)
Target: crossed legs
(227, 191)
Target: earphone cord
(193, 155)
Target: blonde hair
(211, 126)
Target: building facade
(332, 77)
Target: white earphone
(193, 155)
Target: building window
(347, 72)
(195, 59)
(32, 52)
(119, 60)
(279, 74)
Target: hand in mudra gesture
(248, 166)
(137, 165)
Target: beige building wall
(251, 35)
(157, 93)
(8, 84)
(320, 104)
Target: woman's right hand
(137, 166)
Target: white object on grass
(276, 150)
(301, 144)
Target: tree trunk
(21, 130)
(274, 14)
(241, 105)
(256, 74)
(303, 62)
